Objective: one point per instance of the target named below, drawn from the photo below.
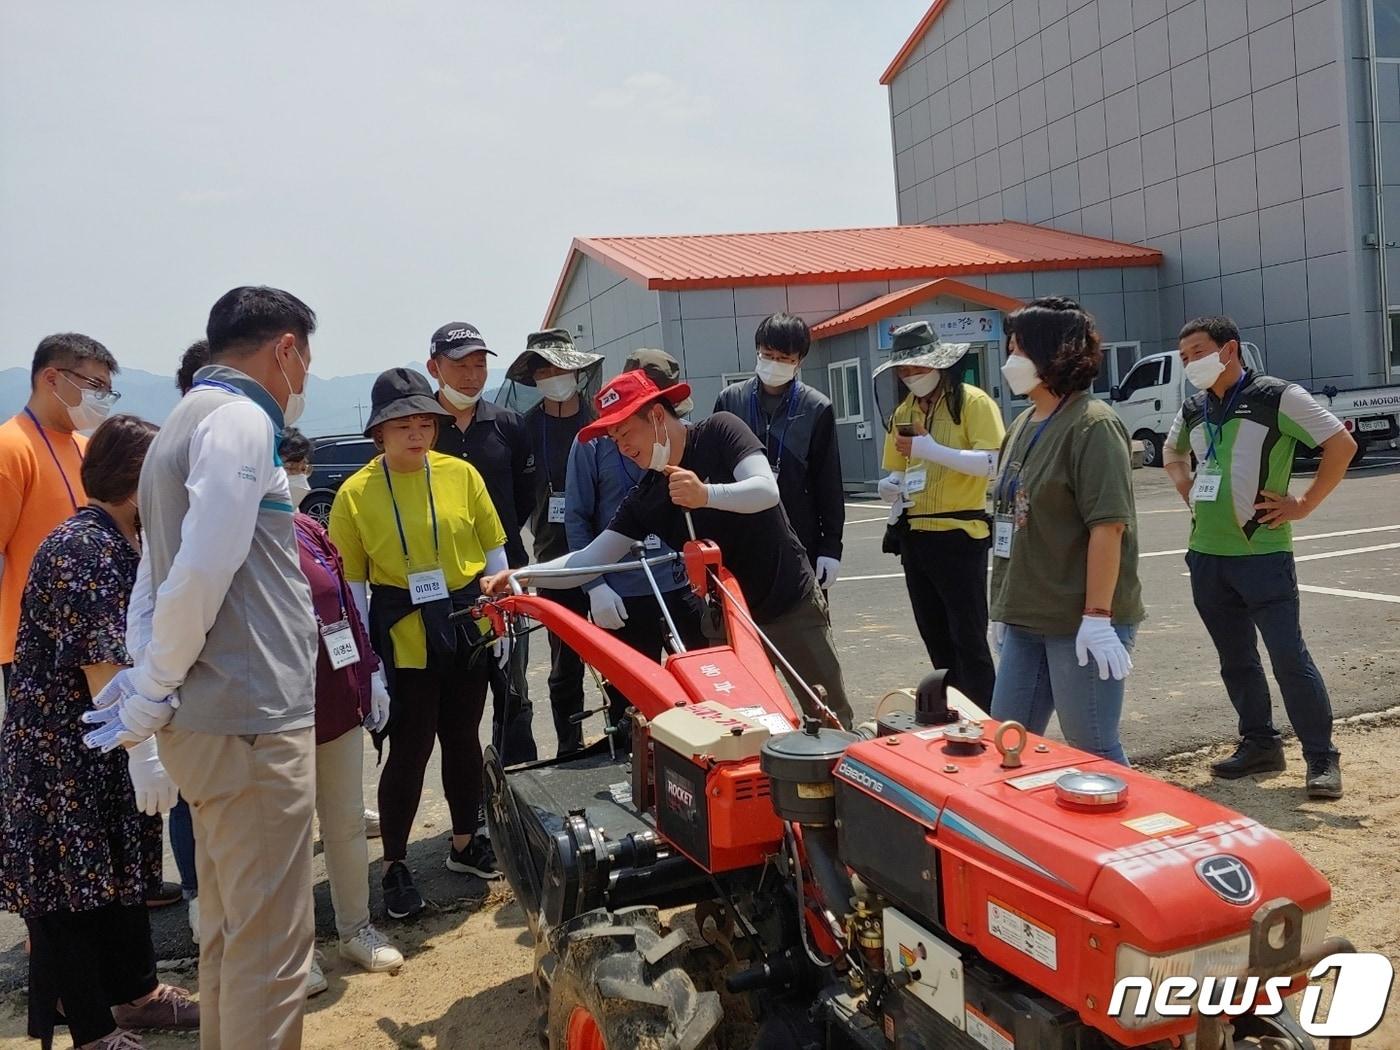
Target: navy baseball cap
(456, 339)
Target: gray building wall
(1214, 130)
(608, 314)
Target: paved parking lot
(1348, 568)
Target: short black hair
(245, 318)
(1060, 338)
(784, 333)
(112, 463)
(195, 357)
(294, 446)
(1219, 328)
(65, 350)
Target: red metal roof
(828, 256)
(885, 305)
(932, 13)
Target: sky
(403, 164)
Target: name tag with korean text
(339, 641)
(1207, 486)
(915, 480)
(556, 510)
(427, 585)
(1002, 532)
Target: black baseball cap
(456, 339)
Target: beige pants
(251, 799)
(340, 806)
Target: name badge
(556, 510)
(653, 542)
(429, 585)
(339, 641)
(1003, 529)
(915, 480)
(1207, 486)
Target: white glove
(378, 716)
(500, 648)
(155, 791)
(827, 571)
(607, 608)
(891, 487)
(1098, 639)
(997, 635)
(124, 715)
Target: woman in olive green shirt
(1065, 598)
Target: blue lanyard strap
(544, 450)
(61, 472)
(432, 509)
(1012, 481)
(628, 481)
(1214, 437)
(313, 548)
(777, 464)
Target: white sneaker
(371, 824)
(193, 907)
(316, 982)
(370, 950)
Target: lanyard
(1007, 492)
(61, 472)
(628, 481)
(544, 448)
(312, 548)
(768, 430)
(432, 509)
(1213, 437)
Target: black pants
(645, 631)
(1237, 597)
(511, 710)
(92, 961)
(946, 574)
(566, 676)
(445, 701)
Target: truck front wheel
(1152, 446)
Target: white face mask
(1204, 371)
(774, 373)
(459, 400)
(300, 486)
(923, 384)
(1020, 374)
(661, 449)
(558, 388)
(89, 412)
(296, 400)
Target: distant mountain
(338, 405)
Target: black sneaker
(1250, 756)
(1324, 777)
(477, 859)
(401, 897)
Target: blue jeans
(182, 845)
(1040, 673)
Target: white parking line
(1338, 592)
(1352, 550)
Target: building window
(730, 378)
(1387, 30)
(843, 378)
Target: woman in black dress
(80, 832)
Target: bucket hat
(553, 346)
(918, 345)
(624, 396)
(401, 392)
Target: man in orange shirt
(40, 458)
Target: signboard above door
(965, 327)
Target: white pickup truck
(1152, 392)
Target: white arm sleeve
(1177, 448)
(231, 469)
(496, 560)
(359, 593)
(978, 462)
(753, 489)
(139, 611)
(608, 549)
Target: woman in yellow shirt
(940, 450)
(420, 528)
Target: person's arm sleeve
(359, 594)
(231, 468)
(496, 560)
(754, 488)
(830, 494)
(1178, 445)
(1103, 474)
(581, 498)
(489, 531)
(1302, 418)
(979, 463)
(522, 473)
(609, 548)
(347, 539)
(11, 499)
(139, 610)
(85, 623)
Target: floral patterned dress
(71, 838)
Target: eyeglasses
(104, 394)
(779, 358)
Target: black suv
(333, 459)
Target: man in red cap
(711, 480)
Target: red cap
(625, 396)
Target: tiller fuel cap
(1091, 791)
